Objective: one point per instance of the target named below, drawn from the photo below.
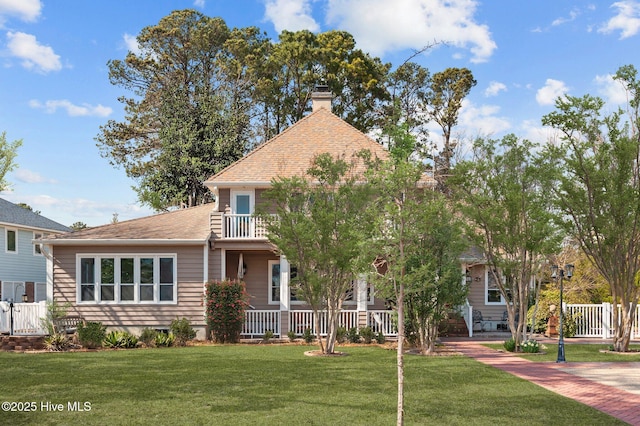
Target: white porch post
(48, 251)
(285, 296)
(362, 301)
(607, 314)
(223, 264)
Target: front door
(242, 208)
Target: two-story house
(146, 272)
(22, 264)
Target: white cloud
(381, 25)
(572, 17)
(292, 15)
(34, 55)
(612, 91)
(70, 210)
(27, 10)
(552, 89)
(83, 110)
(494, 88)
(627, 20)
(199, 3)
(132, 44)
(28, 176)
(482, 120)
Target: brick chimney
(321, 98)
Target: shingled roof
(290, 153)
(13, 214)
(184, 226)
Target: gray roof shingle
(13, 214)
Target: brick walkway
(608, 399)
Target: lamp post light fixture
(560, 274)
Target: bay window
(127, 279)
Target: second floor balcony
(243, 226)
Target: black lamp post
(559, 274)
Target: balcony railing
(243, 226)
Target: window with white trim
(492, 292)
(12, 291)
(40, 292)
(11, 240)
(127, 279)
(37, 249)
(274, 281)
(350, 298)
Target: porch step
(454, 327)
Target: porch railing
(382, 321)
(26, 318)
(597, 320)
(243, 226)
(299, 321)
(257, 323)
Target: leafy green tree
(502, 194)
(319, 227)
(443, 102)
(408, 86)
(434, 276)
(416, 244)
(8, 153)
(301, 59)
(77, 226)
(597, 188)
(189, 96)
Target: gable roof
(13, 214)
(179, 227)
(290, 153)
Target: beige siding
(257, 275)
(477, 295)
(190, 288)
(263, 202)
(225, 198)
(216, 225)
(215, 264)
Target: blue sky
(55, 93)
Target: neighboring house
(146, 272)
(22, 264)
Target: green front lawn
(577, 352)
(274, 385)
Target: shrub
(120, 339)
(164, 340)
(380, 338)
(530, 346)
(510, 345)
(148, 336)
(182, 330)
(291, 335)
(225, 304)
(53, 312)
(341, 335)
(91, 334)
(57, 342)
(367, 334)
(268, 335)
(307, 336)
(353, 336)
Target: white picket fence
(597, 320)
(26, 318)
(257, 322)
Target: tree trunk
(316, 320)
(332, 329)
(622, 335)
(400, 354)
